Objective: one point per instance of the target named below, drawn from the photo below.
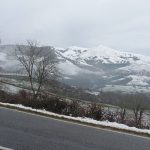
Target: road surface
(23, 131)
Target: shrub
(95, 111)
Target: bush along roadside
(72, 108)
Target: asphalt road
(22, 131)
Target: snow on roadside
(81, 119)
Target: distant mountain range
(98, 68)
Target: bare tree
(39, 64)
(123, 109)
(138, 106)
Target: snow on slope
(139, 80)
(68, 68)
(103, 54)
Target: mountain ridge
(94, 68)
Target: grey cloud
(120, 24)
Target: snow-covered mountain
(102, 66)
(94, 68)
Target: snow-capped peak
(101, 54)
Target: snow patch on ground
(84, 120)
(139, 80)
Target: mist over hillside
(98, 68)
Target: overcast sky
(120, 24)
